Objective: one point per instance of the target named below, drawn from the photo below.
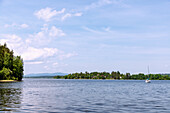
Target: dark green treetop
(11, 67)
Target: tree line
(11, 67)
(113, 75)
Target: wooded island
(11, 67)
(113, 75)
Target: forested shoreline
(11, 67)
(113, 75)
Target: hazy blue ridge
(45, 74)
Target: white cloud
(92, 30)
(55, 32)
(6, 25)
(46, 67)
(98, 4)
(10, 25)
(56, 63)
(24, 26)
(18, 26)
(47, 13)
(107, 29)
(27, 52)
(68, 15)
(101, 3)
(68, 55)
(78, 14)
(35, 46)
(36, 62)
(33, 53)
(13, 42)
(45, 36)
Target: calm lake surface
(78, 96)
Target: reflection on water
(10, 97)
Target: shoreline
(7, 81)
(102, 79)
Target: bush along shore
(113, 75)
(11, 67)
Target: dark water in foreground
(76, 96)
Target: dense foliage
(11, 67)
(113, 75)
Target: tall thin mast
(148, 70)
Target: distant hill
(44, 75)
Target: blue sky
(88, 35)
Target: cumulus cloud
(14, 42)
(33, 53)
(55, 32)
(45, 36)
(47, 13)
(35, 46)
(13, 38)
(27, 52)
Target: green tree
(18, 68)
(11, 67)
(5, 74)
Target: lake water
(81, 96)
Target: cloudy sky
(88, 35)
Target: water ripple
(81, 96)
